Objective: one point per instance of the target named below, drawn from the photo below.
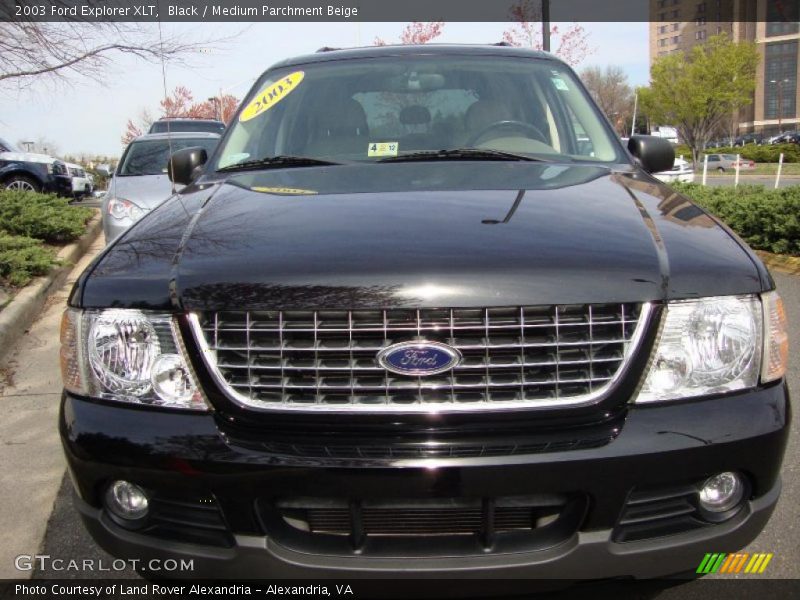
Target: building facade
(679, 25)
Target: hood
(27, 157)
(421, 235)
(486, 234)
(146, 191)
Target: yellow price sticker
(383, 149)
(271, 95)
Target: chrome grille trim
(296, 374)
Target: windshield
(149, 157)
(7, 146)
(371, 109)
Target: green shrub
(761, 154)
(22, 258)
(42, 216)
(766, 219)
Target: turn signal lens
(776, 338)
(72, 371)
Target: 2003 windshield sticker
(271, 95)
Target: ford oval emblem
(419, 358)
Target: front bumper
(658, 448)
(59, 184)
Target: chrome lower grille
(518, 357)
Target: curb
(19, 314)
(780, 262)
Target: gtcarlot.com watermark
(45, 562)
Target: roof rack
(327, 49)
(502, 44)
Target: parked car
(180, 125)
(789, 137)
(140, 182)
(725, 162)
(682, 170)
(81, 181)
(32, 172)
(749, 138)
(400, 321)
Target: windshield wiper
(279, 161)
(461, 154)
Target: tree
(609, 88)
(573, 44)
(696, 92)
(417, 33)
(181, 104)
(35, 52)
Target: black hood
(430, 234)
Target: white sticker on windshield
(560, 84)
(383, 149)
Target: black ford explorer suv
(420, 311)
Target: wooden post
(780, 168)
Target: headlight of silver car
(120, 208)
(714, 345)
(127, 356)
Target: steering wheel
(510, 125)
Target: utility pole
(546, 25)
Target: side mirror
(182, 164)
(655, 154)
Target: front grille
(517, 357)
(412, 518)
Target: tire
(22, 183)
(720, 169)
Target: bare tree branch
(34, 52)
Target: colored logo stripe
(720, 562)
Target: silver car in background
(140, 182)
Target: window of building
(675, 14)
(662, 3)
(783, 17)
(701, 21)
(662, 29)
(701, 8)
(662, 42)
(676, 26)
(700, 34)
(780, 67)
(676, 39)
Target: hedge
(22, 258)
(42, 216)
(29, 220)
(759, 154)
(766, 219)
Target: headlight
(127, 356)
(119, 208)
(706, 346)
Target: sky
(89, 117)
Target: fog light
(721, 492)
(126, 500)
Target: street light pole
(546, 25)
(779, 83)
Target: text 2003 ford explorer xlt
(420, 310)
